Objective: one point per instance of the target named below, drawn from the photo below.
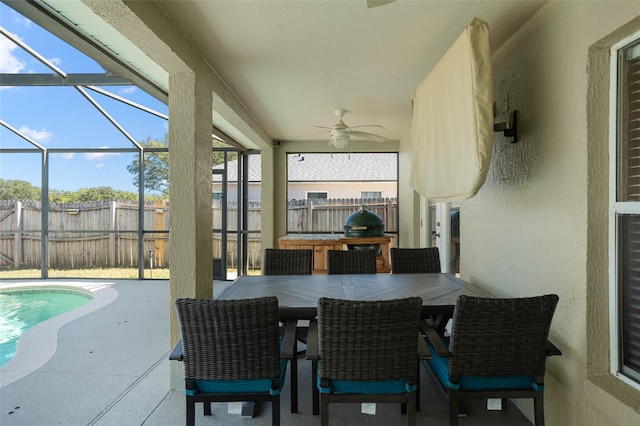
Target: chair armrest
(423, 350)
(289, 350)
(552, 349)
(312, 340)
(434, 338)
(176, 353)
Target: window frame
(368, 192)
(615, 210)
(326, 194)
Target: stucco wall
(525, 233)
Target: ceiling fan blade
(322, 127)
(370, 136)
(368, 125)
(376, 3)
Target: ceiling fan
(341, 133)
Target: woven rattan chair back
(361, 261)
(415, 260)
(230, 339)
(501, 337)
(287, 262)
(368, 340)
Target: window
(317, 195)
(624, 208)
(371, 194)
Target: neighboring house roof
(360, 167)
(255, 170)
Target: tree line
(25, 191)
(156, 178)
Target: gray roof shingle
(311, 167)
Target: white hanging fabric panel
(452, 131)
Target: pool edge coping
(38, 344)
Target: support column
(190, 163)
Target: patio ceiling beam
(224, 137)
(58, 80)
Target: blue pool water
(21, 310)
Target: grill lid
(363, 223)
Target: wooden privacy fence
(104, 234)
(329, 215)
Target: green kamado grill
(364, 223)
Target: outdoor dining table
(298, 294)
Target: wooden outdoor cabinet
(321, 243)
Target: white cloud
(9, 63)
(99, 155)
(21, 20)
(37, 135)
(98, 166)
(55, 61)
(128, 90)
(68, 155)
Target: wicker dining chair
(415, 260)
(497, 349)
(360, 261)
(232, 352)
(290, 262)
(287, 262)
(367, 351)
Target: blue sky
(60, 117)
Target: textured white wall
(525, 233)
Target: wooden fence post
(113, 241)
(158, 224)
(17, 255)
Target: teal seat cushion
(369, 388)
(239, 386)
(440, 366)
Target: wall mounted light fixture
(510, 128)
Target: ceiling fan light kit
(341, 133)
(339, 141)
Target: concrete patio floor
(108, 365)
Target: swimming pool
(22, 309)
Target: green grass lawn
(96, 273)
(93, 273)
